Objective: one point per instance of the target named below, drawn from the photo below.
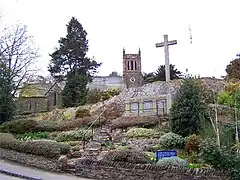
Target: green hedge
(71, 136)
(46, 148)
(143, 132)
(127, 155)
(22, 126)
(19, 126)
(7, 141)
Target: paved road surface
(32, 172)
(5, 177)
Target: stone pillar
(127, 109)
(169, 102)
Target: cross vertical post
(165, 44)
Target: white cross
(165, 44)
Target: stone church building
(42, 96)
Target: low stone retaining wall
(114, 170)
(127, 171)
(30, 160)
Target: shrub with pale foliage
(171, 140)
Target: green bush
(188, 109)
(220, 158)
(32, 136)
(105, 95)
(130, 156)
(171, 140)
(71, 136)
(47, 148)
(64, 148)
(207, 130)
(75, 91)
(194, 166)
(48, 126)
(19, 126)
(225, 98)
(228, 135)
(81, 113)
(143, 132)
(172, 161)
(7, 141)
(94, 96)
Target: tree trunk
(217, 126)
(236, 119)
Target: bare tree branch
(17, 53)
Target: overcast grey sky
(114, 24)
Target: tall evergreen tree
(7, 104)
(233, 69)
(71, 56)
(159, 75)
(188, 109)
(70, 62)
(75, 91)
(174, 73)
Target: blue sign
(166, 153)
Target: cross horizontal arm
(172, 42)
(168, 43)
(159, 45)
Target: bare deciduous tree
(17, 54)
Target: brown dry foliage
(113, 111)
(131, 121)
(127, 155)
(52, 126)
(192, 144)
(82, 113)
(80, 122)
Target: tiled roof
(35, 89)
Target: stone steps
(94, 146)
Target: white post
(167, 73)
(165, 44)
(167, 68)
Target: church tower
(132, 70)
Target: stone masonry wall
(30, 160)
(127, 171)
(155, 89)
(38, 104)
(114, 170)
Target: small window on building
(135, 65)
(29, 106)
(128, 65)
(54, 99)
(131, 65)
